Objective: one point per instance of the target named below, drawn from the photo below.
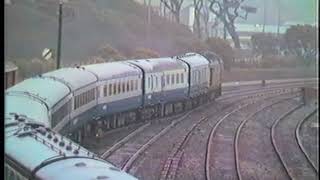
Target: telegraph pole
(278, 28)
(264, 16)
(59, 36)
(149, 23)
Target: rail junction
(250, 132)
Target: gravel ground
(193, 161)
(222, 162)
(310, 137)
(99, 145)
(272, 73)
(121, 155)
(149, 165)
(258, 160)
(298, 166)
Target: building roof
(10, 66)
(251, 28)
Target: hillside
(31, 26)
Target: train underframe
(98, 128)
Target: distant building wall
(11, 74)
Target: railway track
(222, 136)
(128, 158)
(299, 141)
(170, 167)
(124, 152)
(254, 154)
(286, 146)
(309, 135)
(125, 136)
(258, 86)
(176, 130)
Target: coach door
(211, 76)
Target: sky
(302, 11)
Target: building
(11, 73)
(187, 16)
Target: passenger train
(43, 113)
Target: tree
(302, 41)
(34, 66)
(198, 47)
(227, 11)
(198, 4)
(265, 44)
(205, 17)
(108, 53)
(95, 60)
(142, 53)
(174, 6)
(223, 49)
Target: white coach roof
(75, 77)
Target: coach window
(204, 74)
(78, 101)
(110, 89)
(128, 86)
(86, 97)
(136, 86)
(168, 79)
(193, 77)
(177, 79)
(131, 85)
(151, 82)
(81, 100)
(123, 87)
(172, 78)
(182, 78)
(114, 88)
(119, 88)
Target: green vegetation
(141, 53)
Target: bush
(198, 47)
(223, 49)
(109, 53)
(273, 61)
(28, 68)
(141, 53)
(95, 60)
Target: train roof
(75, 78)
(158, 64)
(49, 90)
(48, 158)
(211, 56)
(24, 105)
(52, 154)
(113, 70)
(194, 59)
(83, 169)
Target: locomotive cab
(215, 70)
